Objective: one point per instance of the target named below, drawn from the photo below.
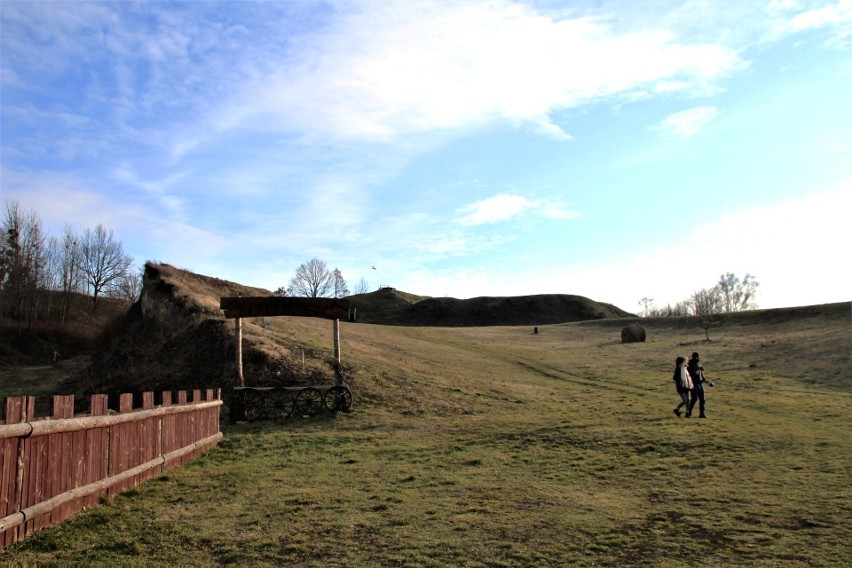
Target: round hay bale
(633, 333)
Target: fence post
(238, 332)
(16, 411)
(27, 410)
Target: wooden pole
(336, 333)
(26, 413)
(238, 331)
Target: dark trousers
(697, 395)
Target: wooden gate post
(335, 330)
(238, 332)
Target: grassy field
(496, 447)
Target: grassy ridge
(388, 306)
(495, 447)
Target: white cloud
(687, 123)
(784, 18)
(553, 211)
(839, 14)
(387, 69)
(506, 206)
(495, 209)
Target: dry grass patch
(494, 447)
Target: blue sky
(611, 149)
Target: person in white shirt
(683, 382)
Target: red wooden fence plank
(56, 459)
(8, 481)
(63, 407)
(97, 449)
(31, 455)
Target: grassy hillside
(491, 446)
(34, 343)
(176, 337)
(384, 306)
(393, 307)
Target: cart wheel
(308, 401)
(280, 404)
(237, 408)
(254, 405)
(338, 399)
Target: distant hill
(388, 306)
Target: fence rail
(52, 467)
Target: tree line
(730, 294)
(313, 279)
(39, 273)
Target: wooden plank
(59, 461)
(26, 471)
(45, 427)
(147, 442)
(269, 306)
(9, 479)
(99, 406)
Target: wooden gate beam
(269, 306)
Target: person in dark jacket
(683, 383)
(696, 373)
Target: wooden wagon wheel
(338, 399)
(254, 405)
(237, 408)
(280, 404)
(308, 401)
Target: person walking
(683, 383)
(696, 373)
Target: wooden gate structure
(268, 306)
(52, 467)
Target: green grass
(494, 447)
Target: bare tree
(312, 280)
(706, 302)
(362, 287)
(647, 306)
(737, 296)
(71, 277)
(728, 295)
(128, 287)
(102, 260)
(680, 309)
(341, 290)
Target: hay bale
(633, 333)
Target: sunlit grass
(494, 447)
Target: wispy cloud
(380, 71)
(495, 209)
(687, 123)
(504, 207)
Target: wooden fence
(52, 467)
